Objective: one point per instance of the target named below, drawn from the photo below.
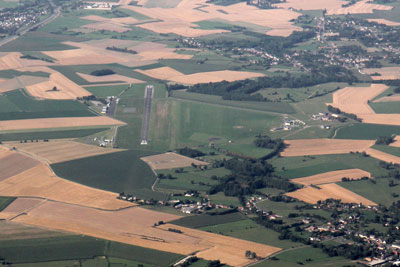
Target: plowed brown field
(331, 177)
(61, 150)
(312, 195)
(305, 147)
(170, 160)
(135, 226)
(49, 123)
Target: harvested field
(331, 177)
(396, 142)
(66, 89)
(40, 181)
(383, 156)
(106, 26)
(109, 78)
(387, 73)
(135, 226)
(355, 99)
(61, 150)
(13, 231)
(334, 7)
(13, 60)
(181, 19)
(170, 160)
(392, 98)
(58, 123)
(312, 195)
(385, 21)
(386, 119)
(81, 56)
(305, 147)
(167, 73)
(15, 163)
(23, 204)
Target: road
(56, 13)
(146, 116)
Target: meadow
(385, 107)
(5, 201)
(388, 149)
(116, 172)
(17, 104)
(199, 221)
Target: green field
(39, 41)
(66, 248)
(295, 167)
(117, 172)
(17, 105)
(5, 201)
(190, 179)
(55, 134)
(191, 66)
(366, 131)
(198, 221)
(8, 4)
(284, 108)
(386, 107)
(307, 256)
(380, 192)
(388, 149)
(251, 231)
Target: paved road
(111, 108)
(146, 116)
(56, 13)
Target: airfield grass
(366, 131)
(117, 172)
(17, 105)
(199, 221)
(306, 256)
(176, 123)
(385, 107)
(302, 166)
(74, 247)
(388, 149)
(103, 91)
(284, 108)
(191, 178)
(249, 230)
(5, 201)
(379, 192)
(54, 134)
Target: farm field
(170, 161)
(18, 105)
(61, 150)
(396, 142)
(50, 123)
(312, 195)
(307, 147)
(332, 177)
(388, 157)
(201, 221)
(366, 131)
(112, 225)
(297, 167)
(36, 135)
(116, 172)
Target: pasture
(366, 131)
(199, 221)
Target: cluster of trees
(102, 72)
(123, 50)
(37, 58)
(190, 152)
(267, 142)
(248, 175)
(348, 115)
(384, 140)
